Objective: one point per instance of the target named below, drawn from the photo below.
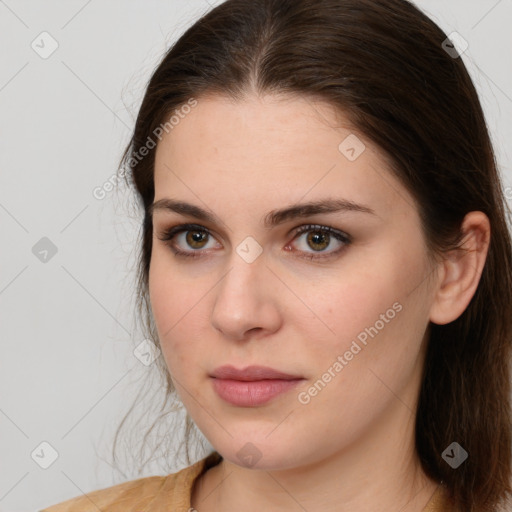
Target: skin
(351, 447)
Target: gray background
(68, 372)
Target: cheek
(176, 309)
(173, 296)
(370, 303)
(162, 295)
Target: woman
(327, 262)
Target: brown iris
(318, 238)
(196, 237)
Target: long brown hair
(385, 65)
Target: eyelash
(169, 234)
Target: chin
(261, 452)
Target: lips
(251, 386)
(251, 373)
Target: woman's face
(345, 312)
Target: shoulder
(125, 497)
(149, 494)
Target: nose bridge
(246, 267)
(240, 284)
(242, 301)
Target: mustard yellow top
(172, 493)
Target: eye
(193, 235)
(319, 238)
(197, 237)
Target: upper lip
(250, 373)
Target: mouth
(251, 386)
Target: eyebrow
(272, 218)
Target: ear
(460, 270)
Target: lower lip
(252, 393)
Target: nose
(246, 301)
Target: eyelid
(179, 228)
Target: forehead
(274, 147)
(219, 126)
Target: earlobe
(461, 270)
